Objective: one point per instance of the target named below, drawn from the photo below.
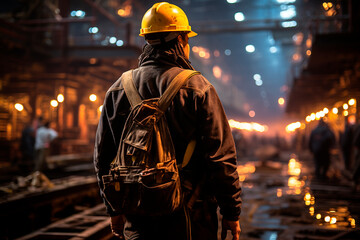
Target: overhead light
(60, 98)
(259, 82)
(250, 48)
(54, 103)
(239, 16)
(288, 12)
(119, 43)
(19, 107)
(289, 24)
(273, 49)
(257, 77)
(112, 40)
(93, 97)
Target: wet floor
(282, 200)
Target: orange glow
(345, 106)
(352, 102)
(318, 216)
(292, 127)
(125, 12)
(335, 111)
(279, 192)
(60, 98)
(217, 72)
(346, 113)
(195, 49)
(327, 219)
(247, 126)
(296, 57)
(308, 44)
(252, 113)
(202, 53)
(216, 53)
(281, 101)
(54, 103)
(308, 52)
(19, 107)
(93, 97)
(308, 119)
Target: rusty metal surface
(89, 224)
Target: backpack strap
(174, 87)
(130, 90)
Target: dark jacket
(195, 113)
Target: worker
(196, 113)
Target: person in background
(322, 139)
(44, 136)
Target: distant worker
(44, 136)
(322, 140)
(195, 113)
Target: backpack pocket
(160, 193)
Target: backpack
(144, 176)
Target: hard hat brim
(192, 34)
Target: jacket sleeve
(105, 149)
(218, 144)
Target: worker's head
(165, 22)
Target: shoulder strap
(130, 90)
(174, 87)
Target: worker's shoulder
(198, 83)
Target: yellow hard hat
(165, 17)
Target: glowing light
(112, 40)
(292, 126)
(345, 106)
(217, 72)
(60, 98)
(227, 52)
(352, 222)
(311, 211)
(93, 97)
(279, 192)
(232, 1)
(326, 111)
(195, 49)
(119, 43)
(101, 108)
(239, 16)
(327, 219)
(296, 57)
(318, 216)
(281, 101)
(288, 12)
(202, 53)
(92, 60)
(54, 103)
(335, 111)
(80, 14)
(289, 24)
(333, 220)
(352, 102)
(93, 30)
(313, 116)
(247, 126)
(307, 197)
(252, 113)
(346, 113)
(257, 77)
(308, 52)
(317, 116)
(259, 82)
(216, 53)
(19, 107)
(308, 119)
(273, 49)
(250, 48)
